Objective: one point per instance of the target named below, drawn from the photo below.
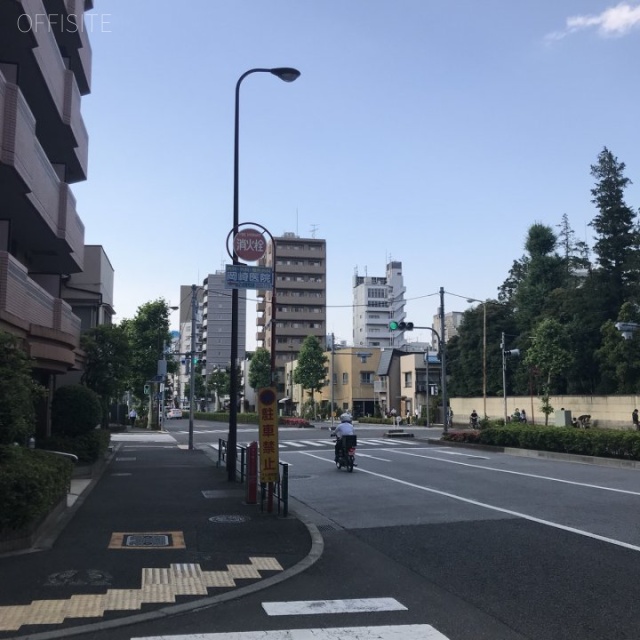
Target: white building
(376, 302)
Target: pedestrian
(133, 416)
(634, 419)
(523, 416)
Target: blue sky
(434, 133)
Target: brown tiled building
(45, 68)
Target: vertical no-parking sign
(268, 421)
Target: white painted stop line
(309, 607)
(399, 632)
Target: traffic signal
(400, 326)
(512, 352)
(146, 389)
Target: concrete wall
(612, 412)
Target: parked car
(174, 414)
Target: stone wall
(609, 412)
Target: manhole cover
(229, 519)
(147, 540)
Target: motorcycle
(347, 453)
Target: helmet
(345, 417)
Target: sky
(427, 132)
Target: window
(345, 378)
(408, 379)
(366, 377)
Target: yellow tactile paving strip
(158, 586)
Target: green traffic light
(393, 325)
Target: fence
(278, 490)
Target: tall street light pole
(287, 74)
(484, 353)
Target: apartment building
(452, 322)
(216, 323)
(377, 301)
(44, 71)
(298, 301)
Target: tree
(311, 372)
(148, 335)
(616, 241)
(549, 354)
(260, 369)
(18, 392)
(199, 389)
(107, 364)
(619, 359)
(218, 384)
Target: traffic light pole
(192, 377)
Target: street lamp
(287, 74)
(484, 353)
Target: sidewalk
(161, 530)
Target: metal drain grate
(326, 527)
(147, 540)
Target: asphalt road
(471, 545)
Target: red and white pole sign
(249, 245)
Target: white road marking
(310, 607)
(386, 632)
(464, 455)
(484, 505)
(521, 473)
(364, 455)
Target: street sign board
(249, 245)
(242, 276)
(268, 434)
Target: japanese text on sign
(239, 276)
(268, 431)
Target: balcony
(52, 330)
(74, 42)
(41, 208)
(50, 89)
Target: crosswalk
(317, 607)
(329, 444)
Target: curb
(549, 455)
(317, 548)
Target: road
(442, 543)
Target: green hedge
(89, 447)
(32, 482)
(593, 442)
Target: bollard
(252, 473)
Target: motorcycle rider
(345, 428)
(473, 419)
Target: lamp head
(288, 74)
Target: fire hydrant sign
(268, 429)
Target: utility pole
(333, 350)
(192, 377)
(443, 363)
(503, 347)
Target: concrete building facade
(44, 71)
(377, 301)
(299, 305)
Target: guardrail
(278, 490)
(241, 458)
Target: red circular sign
(249, 245)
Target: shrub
(89, 447)
(31, 484)
(294, 422)
(75, 410)
(18, 392)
